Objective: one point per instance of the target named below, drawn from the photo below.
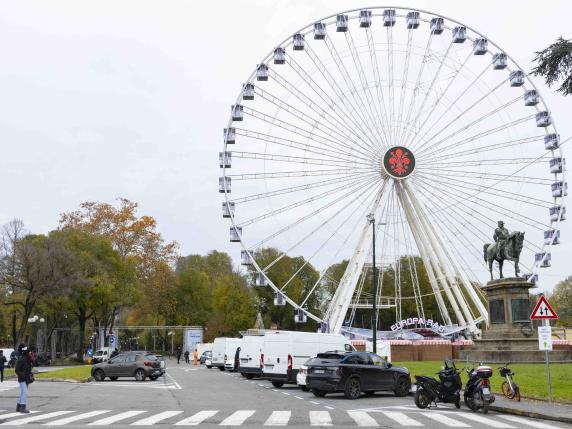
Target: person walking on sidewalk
(187, 357)
(24, 373)
(178, 352)
(2, 363)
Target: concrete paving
(208, 398)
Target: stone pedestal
(510, 335)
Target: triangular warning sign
(543, 310)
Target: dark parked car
(206, 355)
(353, 373)
(132, 364)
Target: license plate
(318, 371)
(486, 391)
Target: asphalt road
(208, 398)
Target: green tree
(561, 299)
(194, 298)
(554, 64)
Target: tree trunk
(14, 337)
(81, 319)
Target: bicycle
(509, 388)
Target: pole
(547, 323)
(374, 287)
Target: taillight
(147, 363)
(339, 371)
(289, 361)
(485, 381)
(261, 360)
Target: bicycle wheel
(507, 390)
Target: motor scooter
(478, 389)
(447, 389)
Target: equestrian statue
(507, 247)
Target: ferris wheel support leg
(443, 256)
(428, 261)
(341, 301)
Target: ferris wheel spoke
(426, 96)
(480, 202)
(391, 100)
(416, 88)
(365, 113)
(498, 161)
(306, 186)
(373, 108)
(377, 77)
(454, 103)
(299, 146)
(356, 197)
(297, 173)
(404, 80)
(478, 136)
(484, 148)
(357, 184)
(441, 96)
(354, 115)
(497, 177)
(304, 218)
(467, 126)
(324, 112)
(298, 159)
(498, 193)
(336, 139)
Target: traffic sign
(543, 310)
(545, 338)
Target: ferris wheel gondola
(409, 116)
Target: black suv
(131, 364)
(353, 373)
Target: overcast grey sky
(101, 99)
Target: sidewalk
(533, 409)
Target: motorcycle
(478, 389)
(446, 390)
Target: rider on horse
(500, 236)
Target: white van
(101, 355)
(223, 352)
(283, 352)
(250, 365)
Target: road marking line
(36, 418)
(447, 421)
(237, 418)
(149, 421)
(362, 418)
(298, 397)
(286, 393)
(534, 423)
(328, 407)
(113, 419)
(174, 382)
(320, 418)
(490, 422)
(197, 418)
(262, 385)
(278, 418)
(401, 418)
(315, 403)
(275, 390)
(71, 419)
(10, 415)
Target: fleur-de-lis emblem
(399, 162)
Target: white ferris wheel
(410, 117)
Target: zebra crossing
(355, 418)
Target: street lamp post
(371, 219)
(172, 335)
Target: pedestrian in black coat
(2, 363)
(24, 373)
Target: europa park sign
(412, 321)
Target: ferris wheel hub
(399, 162)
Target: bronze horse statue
(511, 252)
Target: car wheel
(99, 375)
(209, 366)
(221, 368)
(153, 377)
(249, 376)
(402, 386)
(422, 398)
(304, 388)
(140, 375)
(113, 378)
(319, 393)
(277, 384)
(353, 388)
(242, 374)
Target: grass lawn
(530, 377)
(79, 373)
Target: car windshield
(99, 353)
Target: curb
(531, 414)
(64, 380)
